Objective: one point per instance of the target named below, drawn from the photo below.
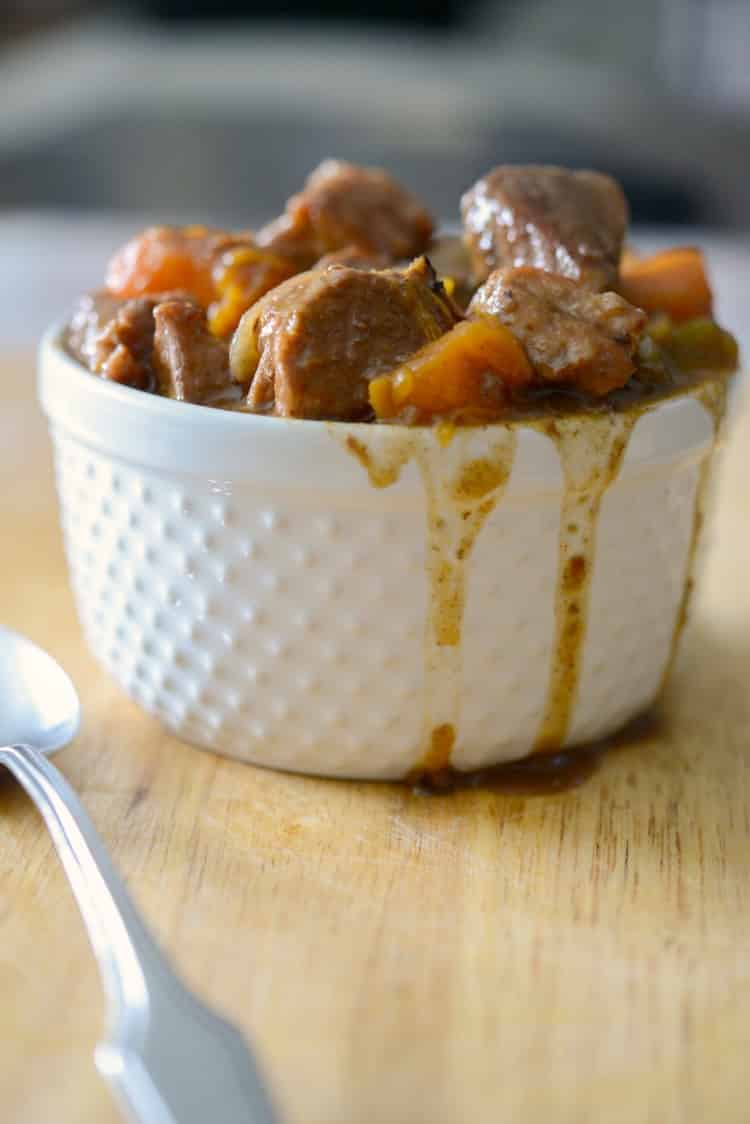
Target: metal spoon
(169, 1059)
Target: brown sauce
(458, 505)
(591, 451)
(544, 774)
(591, 446)
(712, 395)
(458, 502)
(383, 470)
(437, 759)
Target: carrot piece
(450, 373)
(241, 277)
(673, 282)
(164, 258)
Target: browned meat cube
(92, 313)
(345, 205)
(571, 335)
(190, 364)
(571, 223)
(355, 256)
(312, 345)
(114, 338)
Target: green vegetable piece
(701, 344)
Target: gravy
(591, 447)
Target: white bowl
(244, 581)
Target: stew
(348, 307)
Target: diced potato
(472, 365)
(673, 282)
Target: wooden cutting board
(479, 958)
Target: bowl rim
(194, 440)
(52, 341)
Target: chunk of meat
(355, 256)
(190, 364)
(571, 335)
(471, 367)
(241, 277)
(164, 258)
(310, 347)
(673, 282)
(91, 315)
(571, 223)
(114, 338)
(344, 205)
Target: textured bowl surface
(245, 582)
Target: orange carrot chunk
(673, 281)
(472, 365)
(168, 259)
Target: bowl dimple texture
(507, 637)
(237, 627)
(259, 623)
(645, 545)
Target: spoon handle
(168, 1057)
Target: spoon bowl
(38, 703)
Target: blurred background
(215, 110)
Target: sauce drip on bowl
(458, 502)
(546, 774)
(459, 499)
(458, 505)
(712, 395)
(591, 450)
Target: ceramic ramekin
(244, 582)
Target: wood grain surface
(475, 958)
